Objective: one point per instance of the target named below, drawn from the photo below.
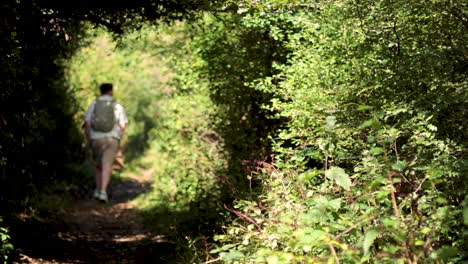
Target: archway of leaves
(41, 142)
(373, 92)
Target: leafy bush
(233, 56)
(5, 246)
(37, 109)
(367, 168)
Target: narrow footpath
(93, 232)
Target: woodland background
(279, 131)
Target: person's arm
(87, 125)
(88, 131)
(122, 130)
(123, 120)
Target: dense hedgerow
(370, 165)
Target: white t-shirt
(120, 115)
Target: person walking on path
(105, 122)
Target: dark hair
(105, 87)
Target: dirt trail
(93, 232)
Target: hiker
(105, 123)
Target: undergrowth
(365, 169)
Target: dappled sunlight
(96, 232)
(168, 187)
(259, 131)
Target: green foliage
(121, 15)
(345, 119)
(367, 168)
(340, 177)
(184, 154)
(169, 137)
(5, 246)
(139, 81)
(36, 108)
(233, 56)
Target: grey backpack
(103, 118)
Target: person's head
(106, 88)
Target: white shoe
(103, 197)
(96, 194)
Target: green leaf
(419, 243)
(400, 166)
(364, 107)
(223, 248)
(376, 151)
(331, 122)
(369, 123)
(426, 230)
(231, 256)
(446, 253)
(274, 259)
(8, 247)
(310, 238)
(335, 204)
(339, 176)
(369, 238)
(441, 200)
(465, 215)
(310, 174)
(4, 237)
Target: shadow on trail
(92, 232)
